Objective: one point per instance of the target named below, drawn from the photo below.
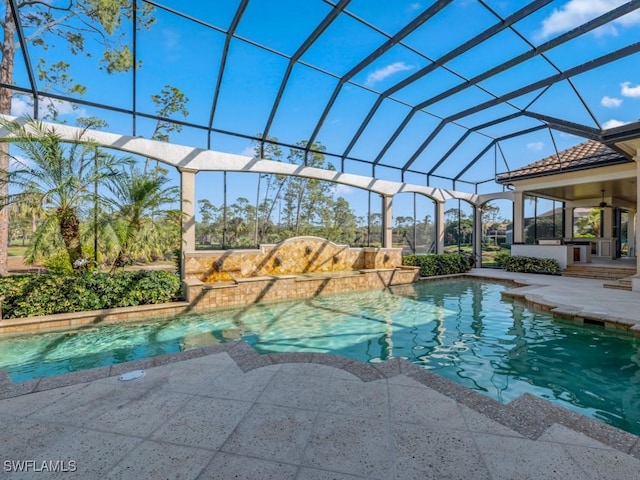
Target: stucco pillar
(607, 223)
(518, 217)
(631, 233)
(477, 235)
(187, 205)
(568, 220)
(387, 221)
(440, 227)
(635, 280)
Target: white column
(568, 220)
(440, 227)
(518, 217)
(187, 205)
(607, 222)
(635, 280)
(387, 221)
(477, 235)
(631, 233)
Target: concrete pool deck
(226, 412)
(578, 297)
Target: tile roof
(590, 154)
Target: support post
(568, 220)
(631, 233)
(606, 229)
(387, 221)
(440, 227)
(187, 206)
(477, 235)
(518, 217)
(635, 280)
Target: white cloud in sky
(19, 162)
(340, 189)
(248, 151)
(577, 12)
(610, 102)
(628, 91)
(19, 108)
(171, 44)
(630, 19)
(385, 72)
(535, 146)
(570, 136)
(414, 6)
(613, 123)
(171, 38)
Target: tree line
(289, 206)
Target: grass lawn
(489, 257)
(17, 250)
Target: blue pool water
(460, 329)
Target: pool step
(620, 284)
(598, 272)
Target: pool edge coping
(521, 291)
(528, 415)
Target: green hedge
(523, 264)
(444, 264)
(501, 258)
(29, 295)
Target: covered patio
(592, 176)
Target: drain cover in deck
(134, 375)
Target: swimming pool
(461, 329)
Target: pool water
(460, 329)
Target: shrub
(58, 262)
(523, 264)
(30, 295)
(501, 258)
(444, 264)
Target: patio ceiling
(623, 190)
(442, 93)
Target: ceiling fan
(603, 203)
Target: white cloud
(613, 123)
(20, 107)
(171, 44)
(386, 72)
(630, 19)
(249, 151)
(171, 38)
(414, 6)
(577, 12)
(570, 136)
(19, 162)
(628, 91)
(535, 146)
(63, 107)
(610, 102)
(340, 189)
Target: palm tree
(138, 199)
(58, 176)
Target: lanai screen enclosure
(436, 98)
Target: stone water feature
(298, 267)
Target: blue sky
(182, 53)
